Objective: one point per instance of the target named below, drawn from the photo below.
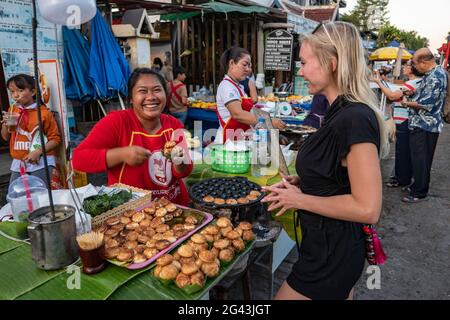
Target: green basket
(229, 161)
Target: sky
(430, 18)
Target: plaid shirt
(431, 97)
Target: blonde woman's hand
(285, 197)
(294, 180)
(135, 155)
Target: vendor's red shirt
(122, 129)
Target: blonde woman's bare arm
(363, 205)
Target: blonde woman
(339, 186)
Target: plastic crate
(229, 161)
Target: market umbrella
(389, 53)
(76, 72)
(109, 70)
(393, 44)
(398, 62)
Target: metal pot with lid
(53, 242)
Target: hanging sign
(278, 51)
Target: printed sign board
(278, 51)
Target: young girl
(20, 137)
(129, 144)
(338, 187)
(177, 99)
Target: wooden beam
(228, 33)
(253, 44)
(260, 43)
(184, 28)
(245, 35)
(236, 33)
(200, 52)
(194, 53)
(221, 37)
(207, 52)
(213, 53)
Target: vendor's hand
(135, 155)
(285, 197)
(178, 156)
(33, 157)
(278, 124)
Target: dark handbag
(374, 251)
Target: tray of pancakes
(209, 253)
(136, 238)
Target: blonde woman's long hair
(342, 41)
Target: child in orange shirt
(24, 140)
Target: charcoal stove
(237, 188)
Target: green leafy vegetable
(101, 203)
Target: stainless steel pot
(53, 243)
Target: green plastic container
(229, 161)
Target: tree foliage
(368, 15)
(411, 39)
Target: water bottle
(261, 149)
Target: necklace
(232, 78)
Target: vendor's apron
(232, 124)
(174, 93)
(156, 171)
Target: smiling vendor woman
(129, 143)
(233, 105)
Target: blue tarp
(76, 58)
(109, 70)
(396, 44)
(393, 44)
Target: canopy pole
(38, 106)
(179, 41)
(101, 107)
(121, 101)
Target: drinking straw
(23, 175)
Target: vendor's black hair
(233, 53)
(178, 70)
(22, 81)
(158, 61)
(137, 73)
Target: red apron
(156, 172)
(232, 125)
(173, 92)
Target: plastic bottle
(261, 153)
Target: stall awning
(226, 8)
(179, 16)
(214, 6)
